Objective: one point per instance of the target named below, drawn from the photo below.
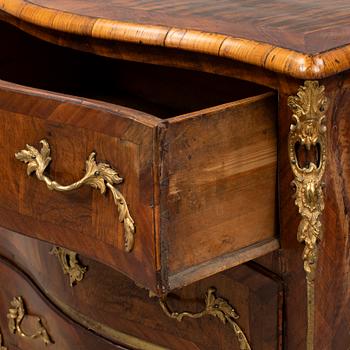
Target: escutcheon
(307, 144)
(70, 264)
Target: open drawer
(196, 152)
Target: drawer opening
(161, 91)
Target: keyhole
(307, 156)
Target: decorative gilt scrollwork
(97, 175)
(2, 347)
(70, 264)
(216, 307)
(309, 134)
(15, 317)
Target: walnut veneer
(218, 183)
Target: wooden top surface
(306, 26)
(302, 38)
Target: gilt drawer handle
(216, 307)
(97, 175)
(15, 317)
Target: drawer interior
(160, 91)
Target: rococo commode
(174, 174)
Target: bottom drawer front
(28, 321)
(113, 306)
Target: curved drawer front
(28, 321)
(77, 215)
(115, 307)
(166, 202)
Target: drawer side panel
(221, 168)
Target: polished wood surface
(171, 182)
(109, 298)
(301, 39)
(276, 47)
(28, 61)
(33, 69)
(64, 333)
(303, 26)
(333, 281)
(332, 285)
(82, 219)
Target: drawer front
(28, 321)
(82, 219)
(115, 307)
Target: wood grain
(65, 333)
(30, 37)
(28, 61)
(303, 26)
(332, 284)
(260, 42)
(333, 281)
(104, 293)
(293, 38)
(211, 170)
(154, 155)
(83, 219)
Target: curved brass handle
(97, 175)
(217, 307)
(15, 317)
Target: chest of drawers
(174, 175)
